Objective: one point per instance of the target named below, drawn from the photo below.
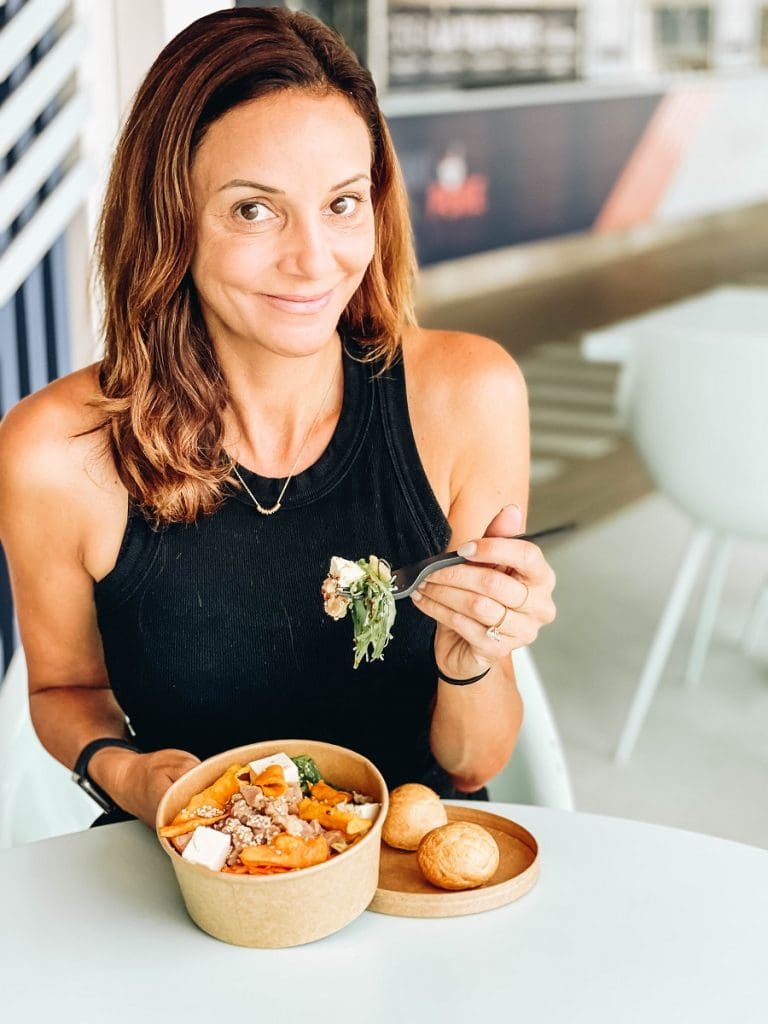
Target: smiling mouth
(299, 303)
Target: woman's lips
(298, 303)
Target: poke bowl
(268, 907)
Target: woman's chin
(293, 339)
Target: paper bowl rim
(372, 833)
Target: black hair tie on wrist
(454, 682)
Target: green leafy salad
(365, 589)
(309, 773)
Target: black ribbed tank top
(214, 632)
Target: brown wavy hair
(162, 391)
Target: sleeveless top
(214, 632)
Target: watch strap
(80, 771)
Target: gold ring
(493, 631)
(527, 592)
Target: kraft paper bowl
(270, 911)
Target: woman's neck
(282, 408)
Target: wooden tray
(404, 892)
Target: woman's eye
(345, 206)
(252, 213)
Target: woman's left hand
(506, 584)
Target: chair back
(37, 796)
(537, 773)
(696, 405)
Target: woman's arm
(62, 514)
(479, 472)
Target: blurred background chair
(537, 772)
(695, 404)
(37, 796)
(757, 620)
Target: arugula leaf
(372, 609)
(366, 589)
(309, 773)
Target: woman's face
(284, 220)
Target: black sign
(483, 179)
(470, 46)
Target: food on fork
(414, 810)
(366, 589)
(459, 855)
(272, 815)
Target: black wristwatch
(80, 771)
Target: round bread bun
(460, 855)
(414, 810)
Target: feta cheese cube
(290, 771)
(208, 847)
(345, 571)
(367, 811)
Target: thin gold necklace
(278, 504)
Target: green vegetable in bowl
(366, 589)
(309, 773)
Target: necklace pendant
(267, 511)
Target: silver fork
(410, 576)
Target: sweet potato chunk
(222, 789)
(327, 794)
(179, 827)
(286, 852)
(214, 797)
(332, 818)
(271, 780)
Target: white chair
(37, 796)
(756, 621)
(695, 404)
(537, 772)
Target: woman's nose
(306, 250)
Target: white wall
(726, 163)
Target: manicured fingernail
(515, 507)
(467, 550)
(416, 596)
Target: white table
(628, 923)
(731, 310)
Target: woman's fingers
(476, 604)
(522, 557)
(495, 602)
(488, 587)
(483, 648)
(456, 608)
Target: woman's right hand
(137, 782)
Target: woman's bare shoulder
(469, 372)
(61, 499)
(55, 413)
(469, 413)
(52, 435)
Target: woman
(265, 401)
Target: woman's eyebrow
(258, 187)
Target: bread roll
(460, 855)
(414, 810)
